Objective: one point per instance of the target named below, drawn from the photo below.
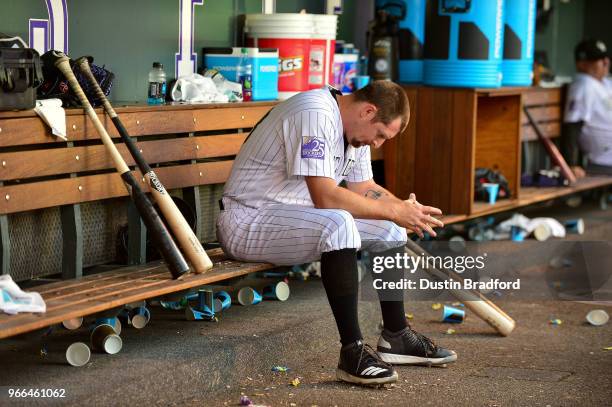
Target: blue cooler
(411, 36)
(463, 44)
(263, 60)
(519, 34)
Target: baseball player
(283, 204)
(588, 113)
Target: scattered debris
(450, 331)
(457, 304)
(245, 401)
(43, 350)
(436, 306)
(608, 348)
(597, 317)
(555, 321)
(409, 316)
(295, 382)
(280, 369)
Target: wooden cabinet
(453, 131)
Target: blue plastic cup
(278, 291)
(517, 234)
(114, 322)
(360, 81)
(492, 190)
(453, 315)
(140, 317)
(248, 296)
(225, 299)
(575, 226)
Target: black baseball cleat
(408, 347)
(360, 364)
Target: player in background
(283, 204)
(588, 113)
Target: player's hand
(418, 218)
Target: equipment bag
(487, 175)
(20, 75)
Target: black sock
(392, 307)
(393, 314)
(339, 275)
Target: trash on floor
(450, 331)
(295, 382)
(245, 401)
(280, 369)
(555, 321)
(597, 317)
(436, 306)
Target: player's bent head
(390, 100)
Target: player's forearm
(372, 190)
(357, 205)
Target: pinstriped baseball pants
(284, 234)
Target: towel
(52, 112)
(14, 300)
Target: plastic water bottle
(244, 74)
(157, 84)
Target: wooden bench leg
(72, 241)
(6, 245)
(191, 195)
(137, 237)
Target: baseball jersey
(302, 136)
(590, 101)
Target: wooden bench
(189, 145)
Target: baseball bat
(187, 240)
(161, 237)
(551, 149)
(472, 299)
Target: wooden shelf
(529, 196)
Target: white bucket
(291, 33)
(322, 49)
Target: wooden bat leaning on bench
(188, 241)
(159, 233)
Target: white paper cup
(78, 354)
(140, 317)
(73, 323)
(104, 339)
(597, 317)
(248, 296)
(542, 232)
(279, 291)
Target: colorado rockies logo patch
(313, 147)
(155, 184)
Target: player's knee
(341, 231)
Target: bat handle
(83, 64)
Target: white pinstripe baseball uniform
(268, 212)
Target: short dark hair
(390, 100)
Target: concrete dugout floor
(176, 362)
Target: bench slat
(18, 198)
(37, 163)
(216, 255)
(31, 130)
(537, 97)
(550, 130)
